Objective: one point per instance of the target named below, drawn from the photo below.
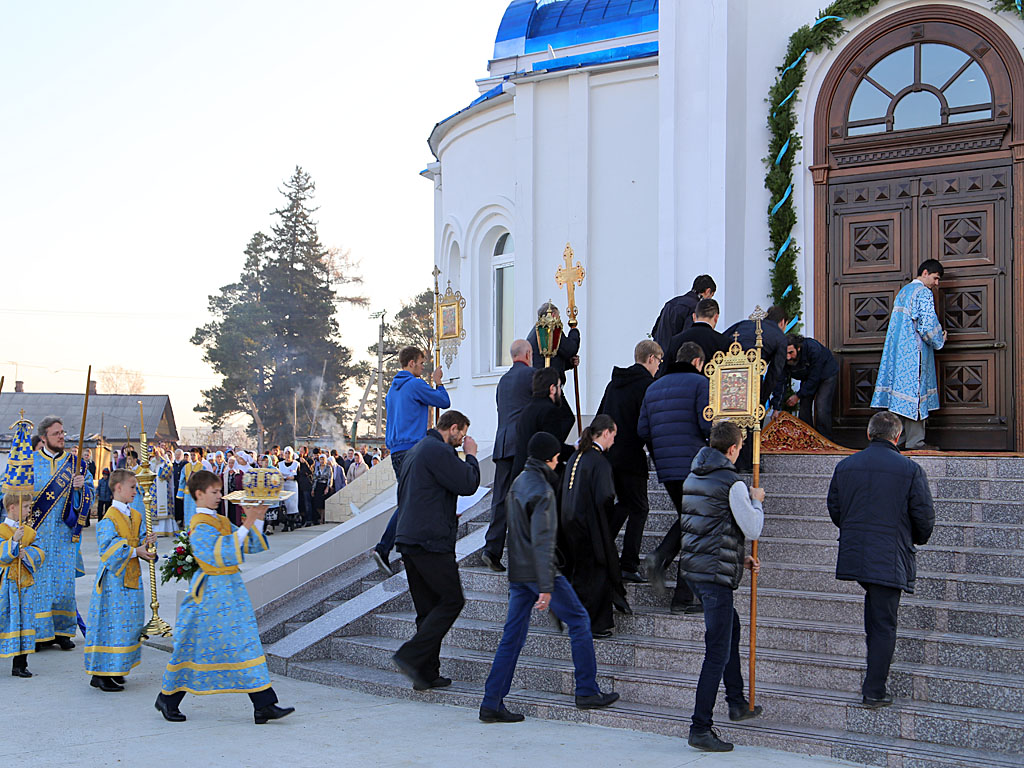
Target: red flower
(180, 550)
(180, 570)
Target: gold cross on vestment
(570, 276)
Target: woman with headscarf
(289, 467)
(357, 468)
(323, 476)
(588, 500)
(339, 475)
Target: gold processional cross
(570, 276)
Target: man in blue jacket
(408, 404)
(817, 370)
(880, 501)
(672, 424)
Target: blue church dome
(530, 26)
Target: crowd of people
(558, 507)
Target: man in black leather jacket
(534, 582)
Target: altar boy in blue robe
(117, 612)
(20, 558)
(217, 645)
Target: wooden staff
(435, 414)
(570, 276)
(757, 316)
(79, 460)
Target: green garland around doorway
(785, 141)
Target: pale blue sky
(141, 145)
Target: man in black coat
(677, 314)
(433, 478)
(534, 582)
(622, 400)
(773, 351)
(544, 413)
(817, 370)
(568, 348)
(880, 501)
(514, 392)
(702, 332)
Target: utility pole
(380, 369)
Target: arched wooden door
(915, 143)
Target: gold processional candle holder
(145, 478)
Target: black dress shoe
(500, 716)
(419, 683)
(596, 701)
(382, 563)
(870, 703)
(105, 684)
(601, 634)
(744, 712)
(679, 609)
(492, 562)
(708, 741)
(171, 714)
(117, 679)
(20, 672)
(440, 682)
(271, 712)
(65, 643)
(655, 570)
(633, 577)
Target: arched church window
(920, 86)
(502, 271)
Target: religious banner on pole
(734, 394)
(449, 331)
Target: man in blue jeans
(408, 404)
(534, 583)
(718, 514)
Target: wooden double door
(881, 227)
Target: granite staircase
(958, 673)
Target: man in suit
(514, 392)
(881, 504)
(677, 314)
(702, 332)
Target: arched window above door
(918, 86)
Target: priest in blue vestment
(906, 383)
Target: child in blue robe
(19, 559)
(217, 645)
(117, 613)
(188, 503)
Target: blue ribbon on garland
(840, 18)
(783, 151)
(784, 248)
(797, 61)
(785, 197)
(785, 293)
(1019, 9)
(792, 322)
(783, 102)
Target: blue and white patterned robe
(189, 504)
(906, 382)
(17, 604)
(217, 646)
(56, 607)
(117, 611)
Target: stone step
(784, 705)
(842, 608)
(946, 509)
(928, 683)
(946, 533)
(671, 721)
(947, 649)
(948, 465)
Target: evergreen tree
(274, 337)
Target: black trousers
(670, 545)
(631, 509)
(495, 539)
(259, 700)
(436, 591)
(101, 509)
(820, 407)
(881, 606)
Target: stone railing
(360, 491)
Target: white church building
(637, 131)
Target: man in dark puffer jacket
(673, 425)
(534, 582)
(719, 514)
(881, 503)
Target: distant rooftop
(114, 417)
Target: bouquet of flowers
(180, 564)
